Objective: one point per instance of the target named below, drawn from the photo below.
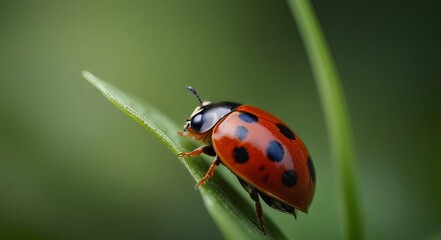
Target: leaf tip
(86, 74)
(92, 79)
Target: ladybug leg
(209, 150)
(209, 173)
(283, 207)
(255, 196)
(182, 134)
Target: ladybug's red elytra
(270, 160)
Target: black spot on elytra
(240, 154)
(241, 132)
(311, 169)
(289, 178)
(286, 131)
(265, 178)
(261, 168)
(248, 117)
(275, 151)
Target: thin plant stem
(336, 114)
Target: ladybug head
(206, 115)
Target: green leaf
(233, 214)
(336, 113)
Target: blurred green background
(72, 166)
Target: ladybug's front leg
(208, 149)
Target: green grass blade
(336, 113)
(232, 213)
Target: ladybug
(270, 160)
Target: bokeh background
(72, 166)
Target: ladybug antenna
(192, 90)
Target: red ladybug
(270, 160)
